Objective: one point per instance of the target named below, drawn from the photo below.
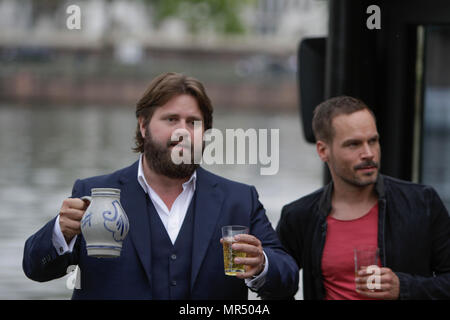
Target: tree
(222, 15)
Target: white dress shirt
(172, 220)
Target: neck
(351, 202)
(344, 192)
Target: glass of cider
(228, 233)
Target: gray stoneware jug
(105, 224)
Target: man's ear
(142, 126)
(322, 150)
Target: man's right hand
(70, 215)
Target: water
(43, 150)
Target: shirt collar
(143, 182)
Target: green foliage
(223, 16)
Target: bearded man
(176, 211)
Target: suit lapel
(133, 199)
(208, 204)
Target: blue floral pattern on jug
(86, 219)
(116, 224)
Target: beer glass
(228, 233)
(365, 256)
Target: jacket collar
(208, 205)
(134, 202)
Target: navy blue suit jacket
(219, 202)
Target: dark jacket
(218, 202)
(413, 237)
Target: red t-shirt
(338, 266)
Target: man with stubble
(407, 222)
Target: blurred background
(67, 98)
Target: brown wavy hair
(165, 87)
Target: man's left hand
(254, 260)
(389, 285)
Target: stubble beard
(354, 180)
(358, 182)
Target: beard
(352, 178)
(159, 159)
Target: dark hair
(165, 87)
(325, 112)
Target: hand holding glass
(365, 256)
(228, 233)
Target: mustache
(365, 164)
(181, 141)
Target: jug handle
(87, 198)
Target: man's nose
(182, 124)
(183, 129)
(367, 152)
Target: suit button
(173, 257)
(173, 283)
